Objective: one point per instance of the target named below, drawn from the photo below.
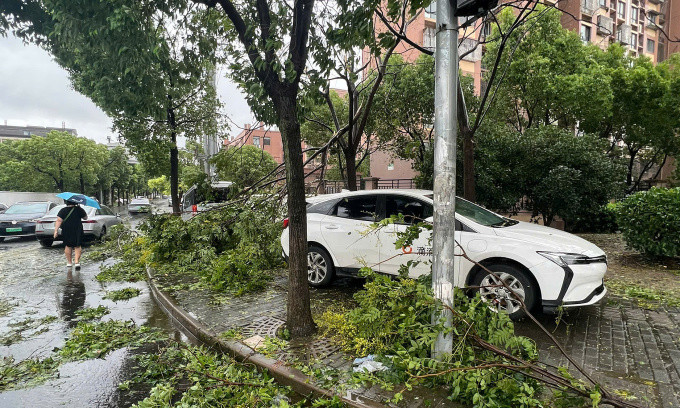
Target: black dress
(72, 225)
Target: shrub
(601, 221)
(650, 221)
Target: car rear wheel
(499, 297)
(46, 242)
(319, 267)
(2, 239)
(102, 235)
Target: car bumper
(582, 285)
(21, 229)
(48, 234)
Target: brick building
(269, 140)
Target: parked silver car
(19, 220)
(98, 222)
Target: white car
(98, 222)
(546, 267)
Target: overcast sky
(34, 90)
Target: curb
(288, 376)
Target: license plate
(13, 229)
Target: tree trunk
(299, 316)
(174, 162)
(351, 168)
(631, 163)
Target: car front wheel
(500, 297)
(319, 267)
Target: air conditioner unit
(623, 34)
(589, 6)
(605, 25)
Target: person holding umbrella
(70, 219)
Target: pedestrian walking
(70, 219)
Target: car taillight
(89, 222)
(285, 223)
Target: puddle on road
(35, 283)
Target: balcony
(589, 6)
(605, 25)
(656, 1)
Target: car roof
(347, 193)
(32, 202)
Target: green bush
(650, 221)
(601, 221)
(393, 320)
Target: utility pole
(210, 143)
(445, 129)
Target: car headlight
(564, 259)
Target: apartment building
(268, 139)
(643, 26)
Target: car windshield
(30, 208)
(89, 210)
(479, 214)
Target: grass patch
(92, 313)
(122, 294)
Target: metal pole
(445, 125)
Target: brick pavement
(620, 344)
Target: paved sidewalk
(625, 347)
(620, 344)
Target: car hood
(549, 239)
(20, 217)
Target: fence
(369, 183)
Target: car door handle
(332, 226)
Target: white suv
(546, 266)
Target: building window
(429, 38)
(431, 10)
(486, 29)
(621, 10)
(603, 3)
(633, 41)
(650, 46)
(390, 166)
(256, 141)
(267, 141)
(651, 19)
(585, 33)
(634, 15)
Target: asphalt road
(35, 284)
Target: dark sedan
(19, 219)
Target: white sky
(35, 90)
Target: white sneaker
(68, 265)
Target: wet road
(39, 298)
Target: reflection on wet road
(39, 298)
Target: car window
(323, 207)
(412, 209)
(106, 210)
(357, 208)
(478, 214)
(29, 208)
